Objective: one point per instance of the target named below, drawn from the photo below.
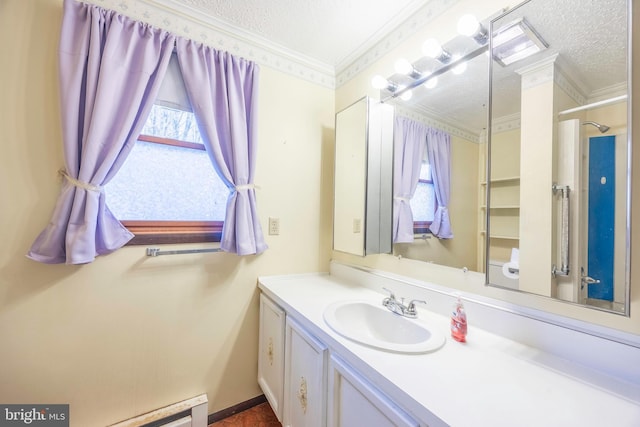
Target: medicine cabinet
(363, 192)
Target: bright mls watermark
(34, 415)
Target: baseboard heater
(188, 413)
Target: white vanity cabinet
(305, 378)
(353, 401)
(292, 368)
(309, 385)
(271, 356)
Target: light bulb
(432, 48)
(406, 95)
(403, 66)
(431, 83)
(460, 68)
(379, 82)
(468, 25)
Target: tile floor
(258, 416)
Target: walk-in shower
(601, 128)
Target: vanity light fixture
(460, 68)
(457, 64)
(433, 49)
(381, 83)
(406, 95)
(515, 41)
(469, 26)
(431, 83)
(402, 66)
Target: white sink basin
(373, 325)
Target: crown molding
(608, 92)
(395, 22)
(346, 70)
(185, 21)
(430, 119)
(506, 123)
(538, 73)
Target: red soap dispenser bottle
(459, 322)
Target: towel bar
(158, 252)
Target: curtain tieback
(402, 199)
(79, 184)
(246, 187)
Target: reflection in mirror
(362, 192)
(450, 97)
(559, 152)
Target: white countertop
(488, 381)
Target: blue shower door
(602, 206)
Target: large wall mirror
(554, 118)
(453, 100)
(559, 152)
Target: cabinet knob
(270, 351)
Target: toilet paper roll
(515, 256)
(505, 270)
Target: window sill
(172, 232)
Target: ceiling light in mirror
(380, 82)
(403, 66)
(431, 83)
(515, 41)
(406, 95)
(460, 68)
(469, 26)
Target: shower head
(601, 128)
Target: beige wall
(537, 250)
(129, 333)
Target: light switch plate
(357, 225)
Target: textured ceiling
(588, 35)
(333, 32)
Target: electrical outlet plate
(274, 226)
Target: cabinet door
(354, 401)
(271, 353)
(305, 378)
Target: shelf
(501, 207)
(504, 237)
(505, 180)
(501, 237)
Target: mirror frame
(627, 256)
(374, 223)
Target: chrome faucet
(398, 307)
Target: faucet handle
(391, 294)
(413, 302)
(411, 308)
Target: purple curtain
(439, 151)
(223, 93)
(409, 140)
(110, 71)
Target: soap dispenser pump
(459, 321)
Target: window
(423, 202)
(167, 191)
